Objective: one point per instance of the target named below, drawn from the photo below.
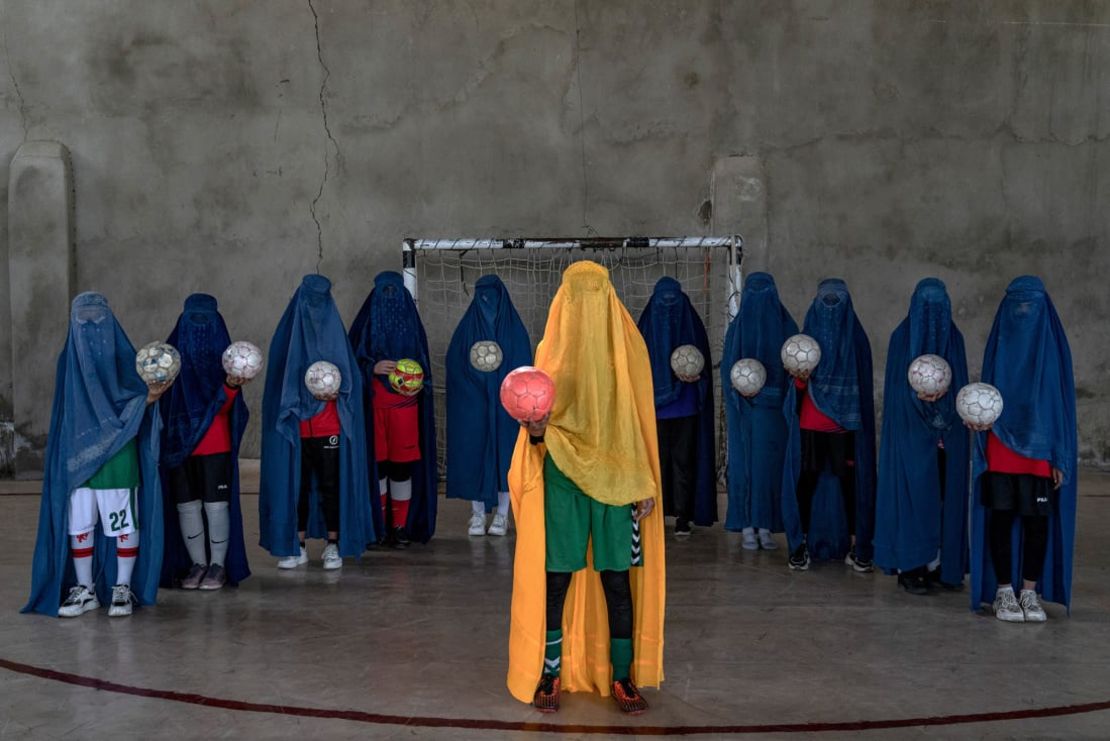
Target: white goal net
(441, 274)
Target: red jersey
(218, 437)
(812, 418)
(324, 424)
(1001, 459)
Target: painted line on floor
(360, 716)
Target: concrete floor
(422, 634)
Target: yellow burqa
(602, 436)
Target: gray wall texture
(230, 147)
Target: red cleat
(546, 698)
(628, 697)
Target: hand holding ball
(930, 376)
(979, 405)
(158, 363)
(687, 362)
(800, 355)
(748, 376)
(242, 360)
(323, 380)
(528, 394)
(407, 378)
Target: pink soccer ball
(527, 393)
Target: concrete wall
(231, 147)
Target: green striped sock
(553, 652)
(620, 655)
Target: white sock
(219, 529)
(748, 531)
(400, 491)
(192, 530)
(935, 563)
(503, 503)
(82, 564)
(124, 564)
(478, 508)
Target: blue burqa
(188, 408)
(1028, 359)
(669, 321)
(99, 406)
(841, 387)
(756, 428)
(912, 520)
(388, 327)
(311, 330)
(480, 433)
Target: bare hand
(384, 367)
(1057, 478)
(643, 509)
(931, 397)
(801, 375)
(236, 381)
(688, 379)
(976, 428)
(154, 391)
(326, 397)
(536, 428)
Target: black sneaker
(628, 698)
(860, 565)
(799, 559)
(398, 539)
(681, 526)
(934, 580)
(914, 581)
(546, 698)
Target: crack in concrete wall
(331, 142)
(18, 90)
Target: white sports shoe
(477, 525)
(1006, 606)
(1031, 607)
(292, 562)
(767, 540)
(79, 601)
(121, 601)
(747, 540)
(332, 559)
(500, 525)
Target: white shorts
(116, 509)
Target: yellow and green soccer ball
(407, 378)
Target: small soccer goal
(440, 274)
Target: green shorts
(571, 518)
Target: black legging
(1034, 545)
(618, 600)
(319, 461)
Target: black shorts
(205, 477)
(828, 451)
(1023, 493)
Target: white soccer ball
(242, 360)
(800, 353)
(748, 376)
(930, 375)
(323, 379)
(157, 362)
(687, 360)
(979, 404)
(486, 356)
